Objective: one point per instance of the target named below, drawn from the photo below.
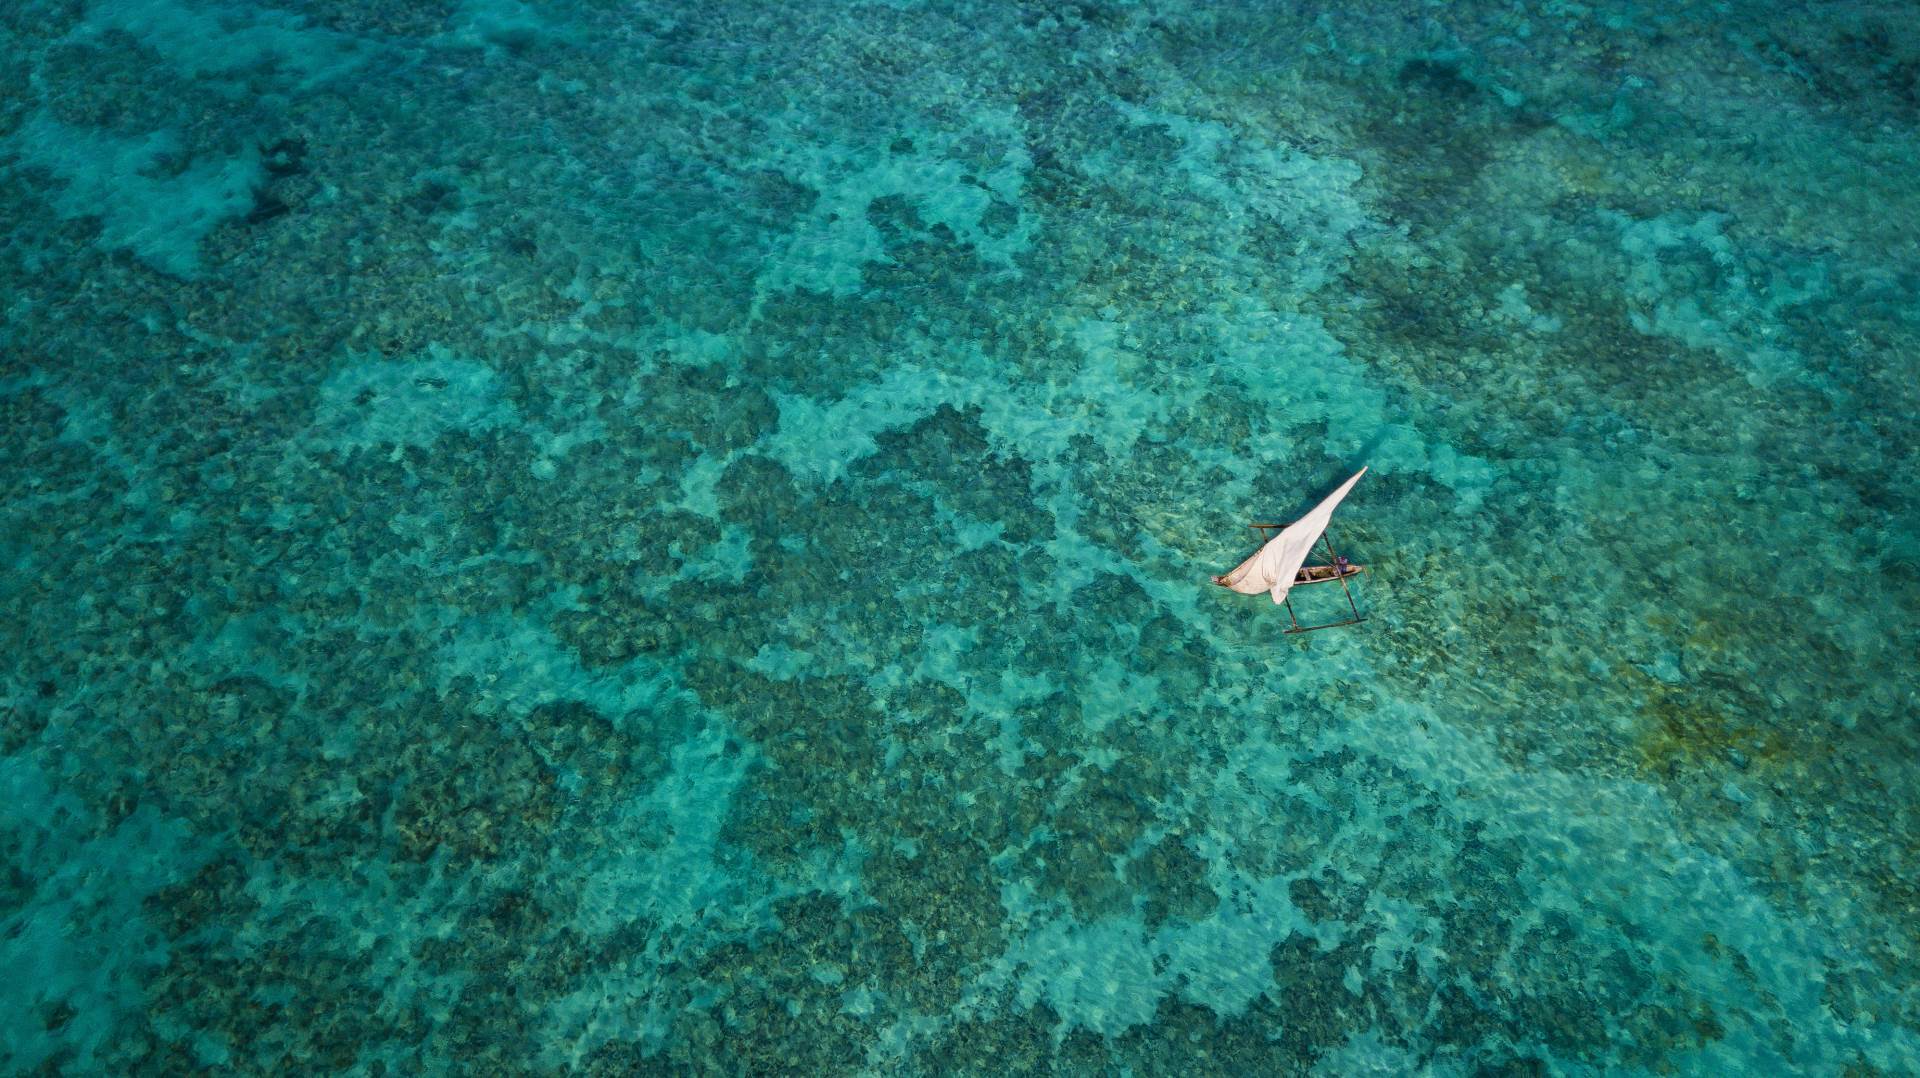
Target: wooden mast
(1334, 560)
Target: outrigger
(1279, 565)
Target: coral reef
(571, 538)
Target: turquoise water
(675, 537)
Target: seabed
(674, 537)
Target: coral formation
(572, 538)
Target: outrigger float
(1280, 565)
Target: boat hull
(1321, 574)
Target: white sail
(1273, 566)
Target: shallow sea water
(674, 537)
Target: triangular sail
(1273, 566)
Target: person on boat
(1341, 566)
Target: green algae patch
(1685, 730)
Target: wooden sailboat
(1280, 565)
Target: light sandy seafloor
(674, 537)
